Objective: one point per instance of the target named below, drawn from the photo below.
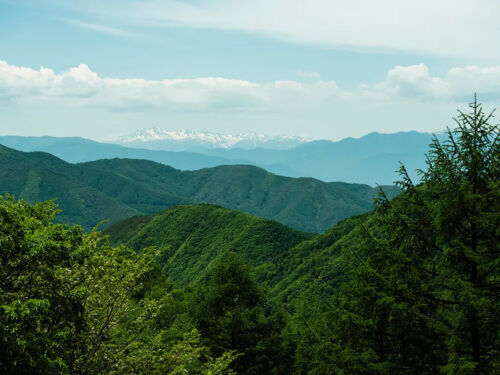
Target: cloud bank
(82, 86)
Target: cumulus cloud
(458, 28)
(195, 94)
(415, 82)
(83, 86)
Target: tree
(231, 315)
(462, 184)
(39, 314)
(440, 258)
(423, 287)
(71, 304)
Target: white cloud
(195, 94)
(457, 28)
(458, 84)
(83, 86)
(100, 28)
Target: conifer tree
(445, 236)
(422, 296)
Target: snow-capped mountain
(188, 140)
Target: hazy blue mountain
(371, 159)
(78, 150)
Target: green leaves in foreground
(70, 304)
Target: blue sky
(323, 69)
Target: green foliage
(39, 313)
(194, 237)
(410, 288)
(71, 304)
(230, 313)
(115, 189)
(422, 290)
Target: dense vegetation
(422, 283)
(119, 188)
(70, 304)
(193, 238)
(410, 288)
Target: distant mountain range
(115, 189)
(198, 141)
(372, 159)
(79, 150)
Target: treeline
(417, 293)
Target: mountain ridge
(134, 187)
(372, 159)
(193, 237)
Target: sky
(323, 69)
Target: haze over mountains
(371, 159)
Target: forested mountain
(195, 237)
(408, 288)
(38, 177)
(372, 159)
(118, 188)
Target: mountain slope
(115, 189)
(301, 203)
(24, 176)
(193, 237)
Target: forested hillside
(38, 177)
(195, 237)
(119, 188)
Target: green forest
(114, 189)
(410, 287)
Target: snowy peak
(189, 140)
